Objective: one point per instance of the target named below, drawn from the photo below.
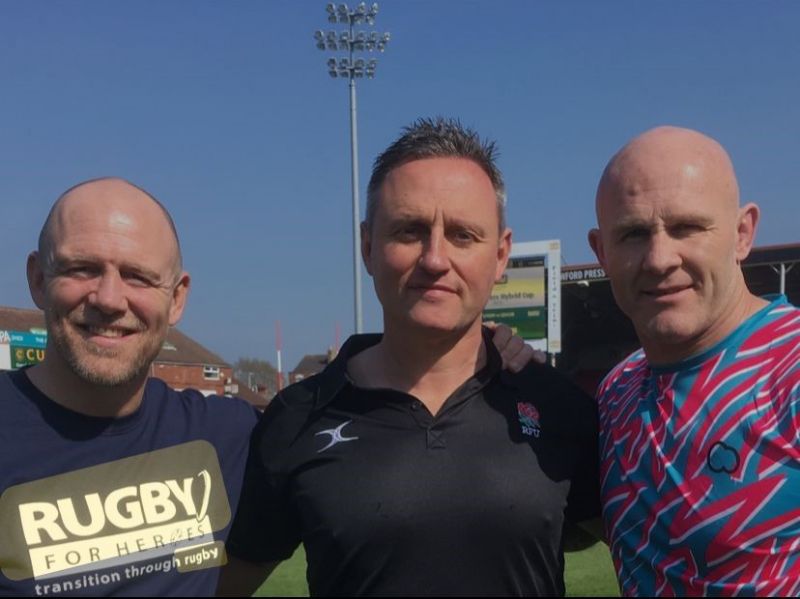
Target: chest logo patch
(105, 524)
(722, 458)
(528, 419)
(336, 436)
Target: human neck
(742, 306)
(60, 384)
(430, 367)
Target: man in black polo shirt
(413, 465)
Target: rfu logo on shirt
(528, 419)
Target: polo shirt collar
(334, 377)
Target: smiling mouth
(435, 288)
(106, 332)
(665, 292)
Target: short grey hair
(437, 138)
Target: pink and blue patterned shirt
(700, 465)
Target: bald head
(669, 156)
(671, 239)
(123, 200)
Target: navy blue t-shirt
(139, 505)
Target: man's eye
(686, 229)
(79, 271)
(410, 232)
(634, 235)
(137, 280)
(462, 237)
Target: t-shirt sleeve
(265, 527)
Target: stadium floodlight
(351, 68)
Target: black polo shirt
(390, 500)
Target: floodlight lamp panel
(332, 18)
(343, 10)
(331, 63)
(321, 45)
(330, 7)
(332, 74)
(318, 35)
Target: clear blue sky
(225, 111)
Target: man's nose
(109, 294)
(434, 257)
(662, 253)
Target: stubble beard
(79, 356)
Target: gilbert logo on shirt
(528, 419)
(164, 505)
(336, 436)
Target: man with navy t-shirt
(698, 429)
(111, 483)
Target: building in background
(311, 364)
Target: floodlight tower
(352, 68)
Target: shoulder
(288, 412)
(627, 369)
(555, 396)
(544, 379)
(296, 403)
(225, 412)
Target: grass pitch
(588, 573)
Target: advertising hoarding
(21, 348)
(528, 297)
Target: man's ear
(179, 294)
(366, 246)
(596, 243)
(746, 224)
(36, 283)
(503, 253)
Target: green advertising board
(21, 348)
(528, 296)
(518, 299)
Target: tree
(256, 372)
